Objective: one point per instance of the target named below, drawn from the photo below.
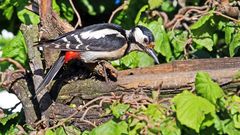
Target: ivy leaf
(235, 44)
(28, 17)
(119, 109)
(110, 128)
(201, 21)
(154, 3)
(188, 106)
(207, 88)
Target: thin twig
(79, 22)
(117, 10)
(228, 17)
(14, 62)
(77, 111)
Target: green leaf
(28, 17)
(161, 37)
(49, 132)
(55, 6)
(169, 127)
(131, 60)
(229, 30)
(119, 109)
(201, 21)
(206, 88)
(229, 128)
(110, 128)
(234, 107)
(167, 6)
(235, 44)
(155, 112)
(67, 10)
(145, 60)
(178, 40)
(16, 49)
(138, 17)
(126, 18)
(137, 127)
(154, 3)
(60, 131)
(5, 119)
(204, 42)
(191, 110)
(8, 12)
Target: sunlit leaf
(110, 128)
(16, 49)
(201, 21)
(191, 110)
(28, 17)
(235, 44)
(119, 109)
(206, 88)
(154, 3)
(5, 119)
(229, 30)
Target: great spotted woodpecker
(98, 42)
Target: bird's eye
(145, 40)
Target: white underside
(92, 56)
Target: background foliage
(212, 36)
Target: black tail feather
(51, 74)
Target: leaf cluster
(208, 110)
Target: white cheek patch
(99, 34)
(139, 36)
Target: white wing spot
(77, 47)
(78, 39)
(65, 39)
(87, 48)
(68, 46)
(99, 33)
(57, 46)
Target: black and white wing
(98, 37)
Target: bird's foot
(107, 71)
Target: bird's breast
(93, 56)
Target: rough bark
(172, 77)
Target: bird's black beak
(151, 52)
